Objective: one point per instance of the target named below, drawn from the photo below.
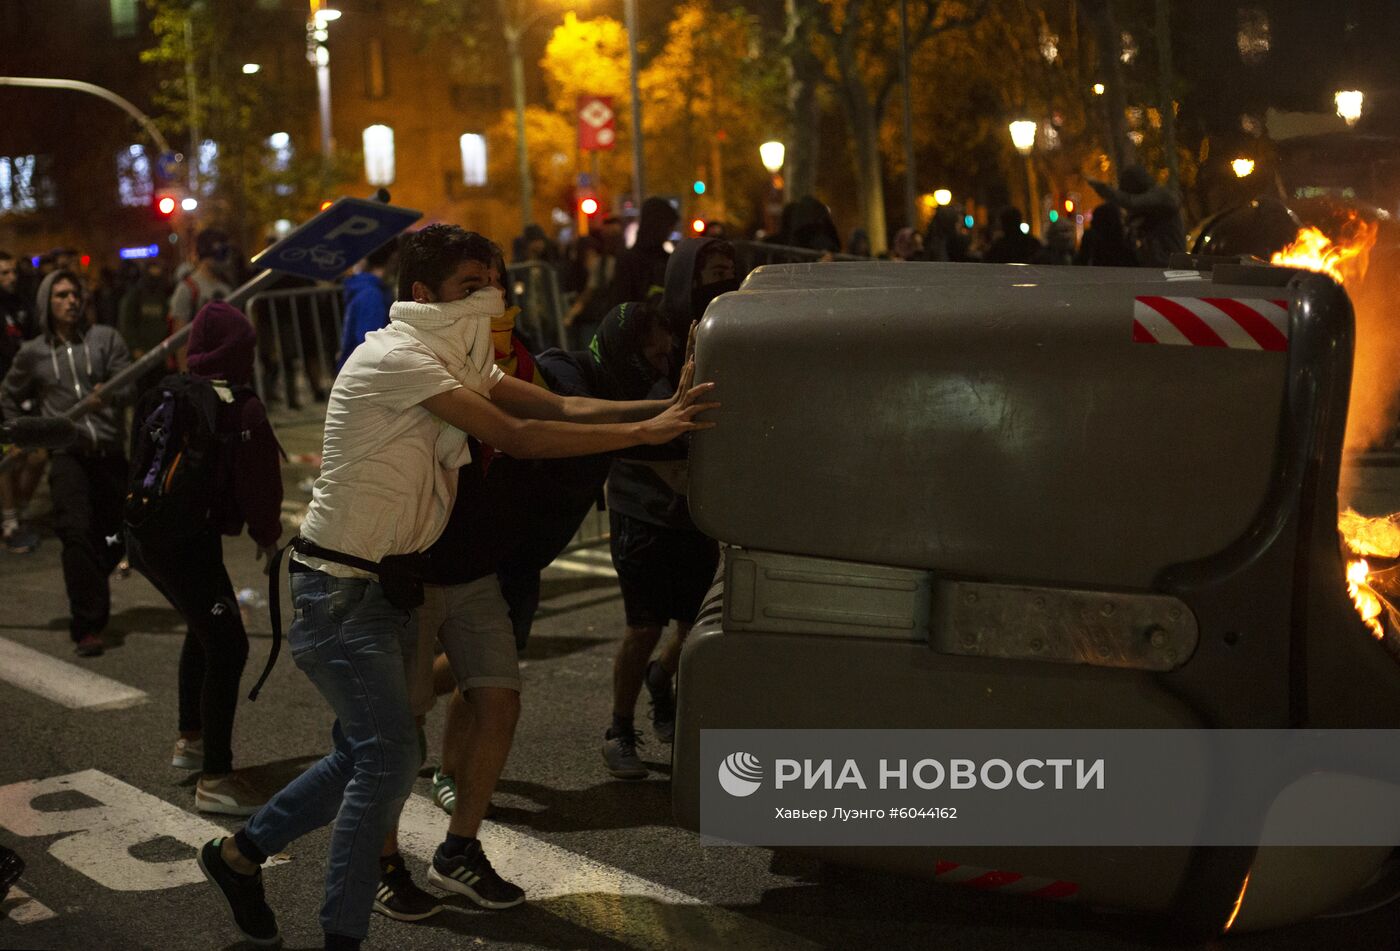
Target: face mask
(700, 297)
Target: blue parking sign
(324, 247)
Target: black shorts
(664, 572)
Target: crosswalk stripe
(575, 567)
(23, 909)
(607, 901)
(68, 684)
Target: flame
(1378, 538)
(1344, 260)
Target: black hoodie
(643, 266)
(651, 491)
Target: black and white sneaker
(11, 868)
(663, 703)
(398, 897)
(471, 874)
(243, 894)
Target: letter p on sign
(353, 227)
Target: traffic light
(1069, 206)
(699, 187)
(588, 205)
(165, 205)
(698, 226)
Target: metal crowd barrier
(535, 285)
(284, 320)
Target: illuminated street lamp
(942, 196)
(251, 68)
(772, 155)
(1023, 138)
(1098, 89)
(1243, 167)
(318, 34)
(1349, 103)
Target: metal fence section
(752, 254)
(535, 286)
(298, 340)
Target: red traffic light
(698, 226)
(589, 206)
(165, 204)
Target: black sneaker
(398, 897)
(244, 896)
(663, 703)
(11, 868)
(471, 874)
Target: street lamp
(772, 155)
(942, 197)
(1023, 138)
(515, 28)
(318, 34)
(1243, 167)
(1349, 103)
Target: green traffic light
(699, 188)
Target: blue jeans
(352, 643)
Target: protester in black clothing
(1155, 227)
(67, 364)
(245, 486)
(1105, 242)
(1012, 246)
(664, 563)
(945, 239)
(807, 223)
(641, 271)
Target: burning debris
(1344, 260)
(1373, 568)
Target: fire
(1373, 538)
(1344, 260)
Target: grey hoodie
(58, 375)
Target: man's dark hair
(381, 255)
(713, 249)
(6, 256)
(432, 254)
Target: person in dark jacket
(1012, 245)
(18, 484)
(190, 572)
(68, 364)
(1105, 242)
(1155, 227)
(368, 295)
(641, 271)
(664, 563)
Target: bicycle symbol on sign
(321, 256)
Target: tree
(202, 93)
(857, 44)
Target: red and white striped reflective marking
(1249, 324)
(1006, 883)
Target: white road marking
(605, 900)
(596, 562)
(100, 838)
(23, 909)
(68, 684)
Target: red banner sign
(597, 123)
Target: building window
(124, 20)
(473, 158)
(1128, 51)
(376, 79)
(25, 184)
(1253, 38)
(135, 187)
(379, 155)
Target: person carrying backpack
(204, 463)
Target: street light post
(638, 162)
(513, 32)
(318, 34)
(772, 154)
(1023, 138)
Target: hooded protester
(368, 296)
(1012, 245)
(17, 485)
(663, 562)
(907, 245)
(641, 271)
(69, 363)
(1156, 230)
(244, 484)
(396, 434)
(810, 226)
(945, 239)
(1105, 242)
(204, 283)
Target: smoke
(1375, 381)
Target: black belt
(400, 576)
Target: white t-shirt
(388, 466)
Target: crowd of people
(459, 459)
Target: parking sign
(344, 233)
